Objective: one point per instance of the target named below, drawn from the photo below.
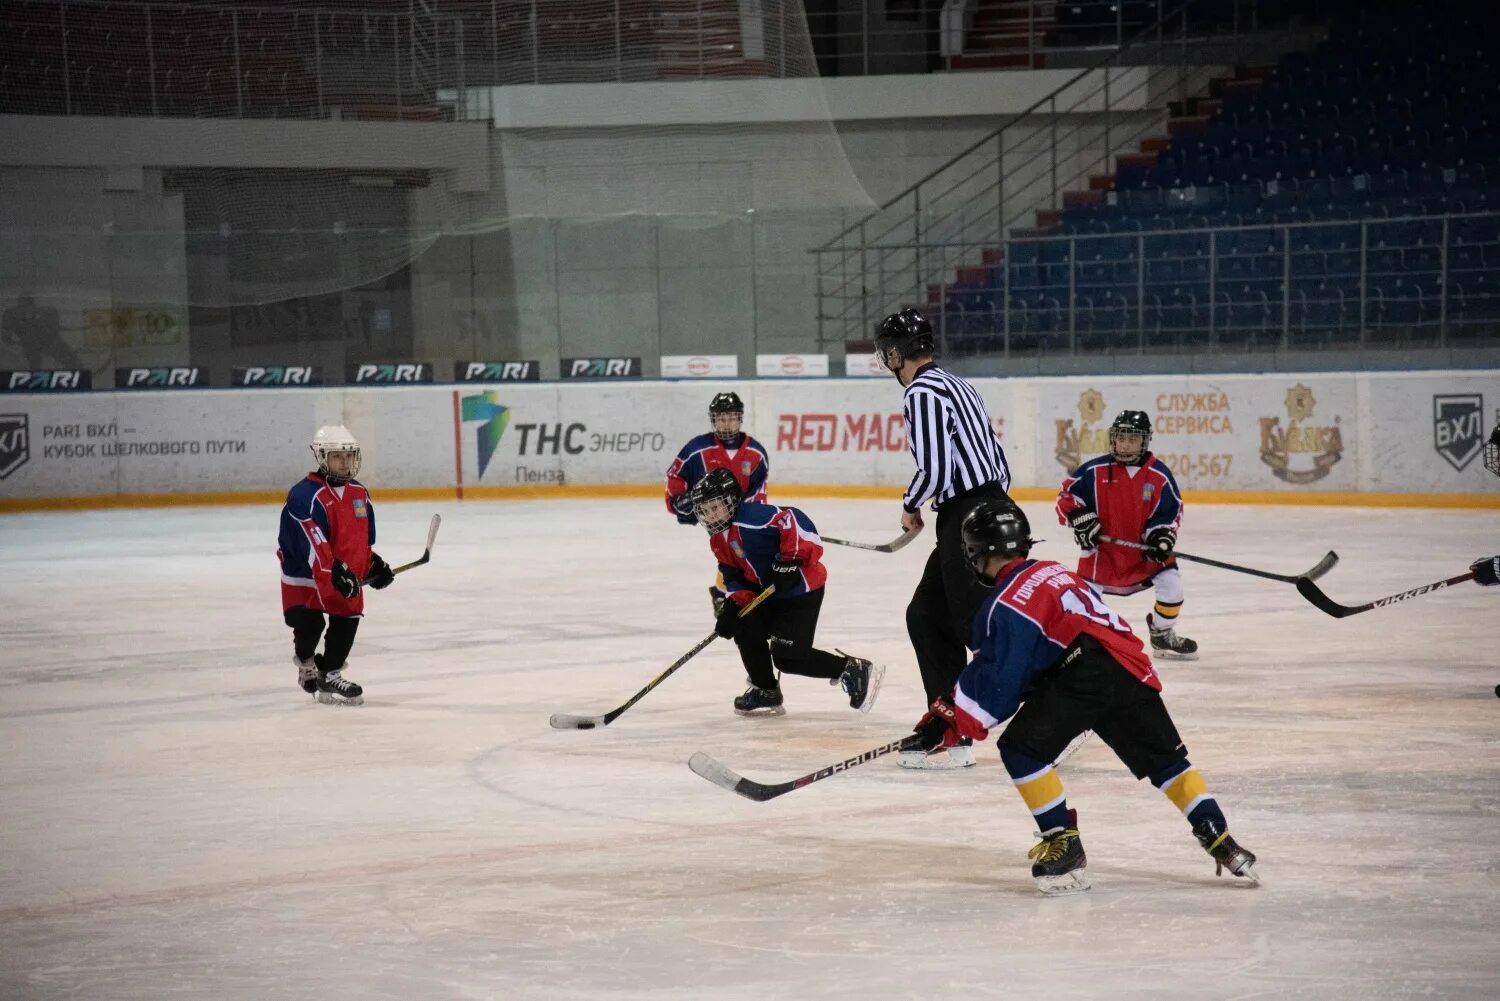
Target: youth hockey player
(327, 529)
(1046, 638)
(1130, 494)
(758, 545)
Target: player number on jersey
(1087, 604)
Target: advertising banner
(700, 366)
(791, 366)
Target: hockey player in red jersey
(759, 545)
(327, 529)
(1130, 494)
(1055, 660)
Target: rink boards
(1335, 438)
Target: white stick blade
(566, 721)
(437, 520)
(706, 766)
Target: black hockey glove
(1162, 541)
(683, 505)
(785, 574)
(344, 581)
(1486, 570)
(728, 620)
(1086, 527)
(380, 575)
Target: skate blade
(1076, 881)
(877, 675)
(767, 711)
(1247, 872)
(931, 763)
(1173, 655)
(329, 699)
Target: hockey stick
(437, 520)
(569, 721)
(1310, 591)
(710, 768)
(1319, 569)
(885, 547)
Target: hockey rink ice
(178, 820)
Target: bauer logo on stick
(1458, 427)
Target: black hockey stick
(1319, 569)
(885, 547)
(710, 768)
(569, 721)
(437, 520)
(1310, 591)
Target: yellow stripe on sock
(1042, 791)
(1166, 611)
(1186, 789)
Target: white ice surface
(177, 820)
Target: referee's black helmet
(907, 332)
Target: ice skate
(1226, 851)
(307, 674)
(759, 702)
(861, 682)
(336, 690)
(960, 755)
(1166, 644)
(1058, 862)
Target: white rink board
(1308, 433)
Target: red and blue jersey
(1130, 501)
(759, 535)
(319, 524)
(747, 461)
(1037, 610)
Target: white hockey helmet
(331, 438)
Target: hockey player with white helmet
(327, 531)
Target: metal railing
(1427, 280)
(947, 218)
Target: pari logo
(601, 368)
(15, 443)
(390, 374)
(161, 377)
(497, 371)
(1458, 428)
(46, 380)
(486, 407)
(278, 375)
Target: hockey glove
(786, 574)
(1486, 570)
(380, 575)
(944, 725)
(683, 505)
(728, 620)
(1162, 541)
(344, 581)
(1086, 527)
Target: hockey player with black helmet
(324, 545)
(1055, 660)
(758, 545)
(1131, 495)
(959, 464)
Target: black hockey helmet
(718, 485)
(1492, 451)
(907, 333)
(995, 527)
(725, 404)
(1131, 422)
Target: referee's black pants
(940, 617)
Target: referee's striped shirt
(951, 439)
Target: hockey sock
(1039, 786)
(1167, 612)
(1186, 789)
(307, 628)
(338, 642)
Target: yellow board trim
(1344, 498)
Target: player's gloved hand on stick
(944, 725)
(344, 581)
(683, 505)
(380, 575)
(1086, 528)
(785, 573)
(1162, 541)
(728, 620)
(1486, 570)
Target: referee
(959, 463)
